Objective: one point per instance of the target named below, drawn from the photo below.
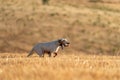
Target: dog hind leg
(49, 54)
(40, 52)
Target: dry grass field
(91, 26)
(63, 67)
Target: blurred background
(92, 26)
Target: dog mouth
(66, 45)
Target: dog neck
(61, 45)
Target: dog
(49, 47)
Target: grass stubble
(63, 67)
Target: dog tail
(30, 53)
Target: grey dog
(49, 47)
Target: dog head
(63, 43)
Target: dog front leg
(55, 54)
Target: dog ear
(60, 41)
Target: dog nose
(68, 43)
